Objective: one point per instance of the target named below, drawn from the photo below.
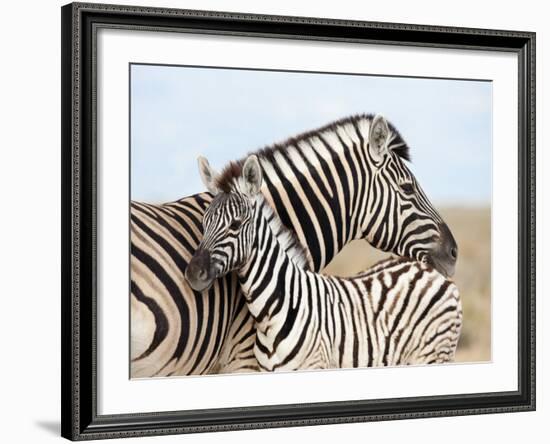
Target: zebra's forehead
(225, 203)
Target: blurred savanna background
(179, 113)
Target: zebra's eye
(235, 225)
(407, 188)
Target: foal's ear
(379, 134)
(252, 175)
(208, 175)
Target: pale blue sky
(179, 113)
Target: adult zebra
(400, 312)
(347, 180)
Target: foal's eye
(235, 225)
(407, 188)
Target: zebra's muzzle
(445, 255)
(199, 271)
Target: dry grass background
(471, 228)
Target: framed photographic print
(279, 221)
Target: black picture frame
(79, 171)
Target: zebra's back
(399, 312)
(418, 316)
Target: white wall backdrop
(30, 223)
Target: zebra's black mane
(398, 144)
(233, 170)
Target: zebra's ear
(379, 134)
(252, 175)
(208, 175)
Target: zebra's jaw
(444, 267)
(199, 286)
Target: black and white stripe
(399, 312)
(173, 329)
(345, 181)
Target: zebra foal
(400, 312)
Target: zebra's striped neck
(275, 233)
(319, 185)
(274, 246)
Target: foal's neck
(274, 250)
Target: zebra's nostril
(202, 275)
(454, 252)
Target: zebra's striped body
(345, 181)
(399, 312)
(173, 329)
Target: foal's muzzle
(199, 272)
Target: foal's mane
(287, 238)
